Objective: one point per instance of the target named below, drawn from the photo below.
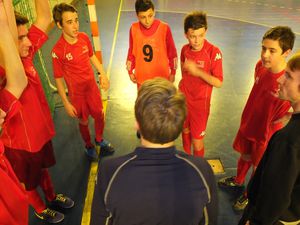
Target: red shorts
(28, 166)
(245, 146)
(196, 122)
(89, 104)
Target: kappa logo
(202, 134)
(218, 56)
(54, 55)
(69, 56)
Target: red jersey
(262, 107)
(72, 62)
(209, 59)
(13, 199)
(32, 127)
(155, 46)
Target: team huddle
(156, 183)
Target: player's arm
(104, 82)
(43, 15)
(172, 54)
(282, 163)
(16, 80)
(130, 63)
(8, 4)
(194, 70)
(70, 109)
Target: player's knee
(186, 130)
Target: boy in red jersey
(27, 136)
(72, 56)
(264, 113)
(201, 67)
(13, 199)
(152, 51)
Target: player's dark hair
(143, 5)
(20, 19)
(59, 9)
(195, 20)
(283, 34)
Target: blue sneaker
(91, 153)
(62, 202)
(50, 216)
(105, 147)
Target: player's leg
(95, 106)
(198, 146)
(187, 140)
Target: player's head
(289, 83)
(23, 41)
(277, 43)
(66, 18)
(160, 111)
(195, 27)
(145, 12)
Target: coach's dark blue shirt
(155, 186)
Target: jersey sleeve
(37, 38)
(130, 63)
(171, 51)
(217, 64)
(89, 44)
(57, 63)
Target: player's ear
(185, 34)
(137, 126)
(286, 53)
(58, 25)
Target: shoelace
(50, 212)
(60, 198)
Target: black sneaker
(62, 202)
(241, 203)
(91, 153)
(50, 216)
(229, 182)
(105, 147)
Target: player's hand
(132, 77)
(191, 67)
(70, 109)
(104, 82)
(172, 78)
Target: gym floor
(235, 26)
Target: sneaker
(50, 216)
(240, 203)
(62, 201)
(91, 153)
(229, 182)
(105, 147)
